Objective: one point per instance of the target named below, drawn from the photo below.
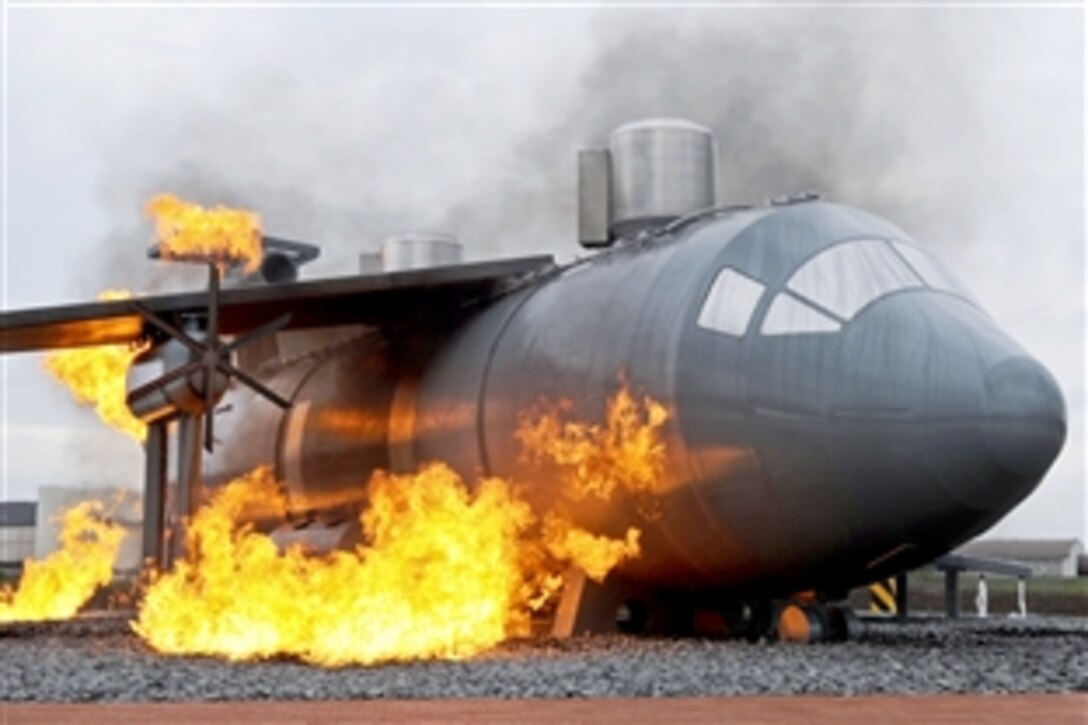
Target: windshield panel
(848, 276)
(730, 303)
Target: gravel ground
(97, 659)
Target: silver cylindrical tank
(660, 169)
(419, 250)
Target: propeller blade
(166, 379)
(213, 305)
(255, 384)
(266, 329)
(175, 332)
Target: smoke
(891, 110)
(917, 115)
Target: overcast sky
(340, 126)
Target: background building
(17, 523)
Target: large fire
(96, 376)
(220, 234)
(439, 577)
(57, 586)
(595, 555)
(445, 571)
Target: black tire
(843, 624)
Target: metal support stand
(189, 489)
(587, 606)
(901, 596)
(154, 493)
(952, 593)
(953, 564)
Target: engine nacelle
(184, 395)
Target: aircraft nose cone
(1024, 427)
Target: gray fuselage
(839, 408)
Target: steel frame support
(952, 593)
(189, 486)
(156, 451)
(901, 596)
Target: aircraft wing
(378, 299)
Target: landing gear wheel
(801, 622)
(843, 624)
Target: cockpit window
(930, 270)
(729, 305)
(846, 277)
(788, 316)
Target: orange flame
(444, 571)
(221, 235)
(439, 578)
(96, 376)
(57, 586)
(595, 555)
(626, 451)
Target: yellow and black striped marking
(882, 597)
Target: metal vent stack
(652, 172)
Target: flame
(439, 577)
(595, 555)
(626, 451)
(57, 586)
(96, 376)
(445, 570)
(221, 235)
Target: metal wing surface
(424, 295)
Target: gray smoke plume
(887, 110)
(877, 109)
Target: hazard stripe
(882, 596)
(885, 598)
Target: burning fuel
(445, 570)
(439, 576)
(220, 234)
(443, 573)
(626, 451)
(96, 376)
(595, 555)
(59, 585)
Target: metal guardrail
(953, 564)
